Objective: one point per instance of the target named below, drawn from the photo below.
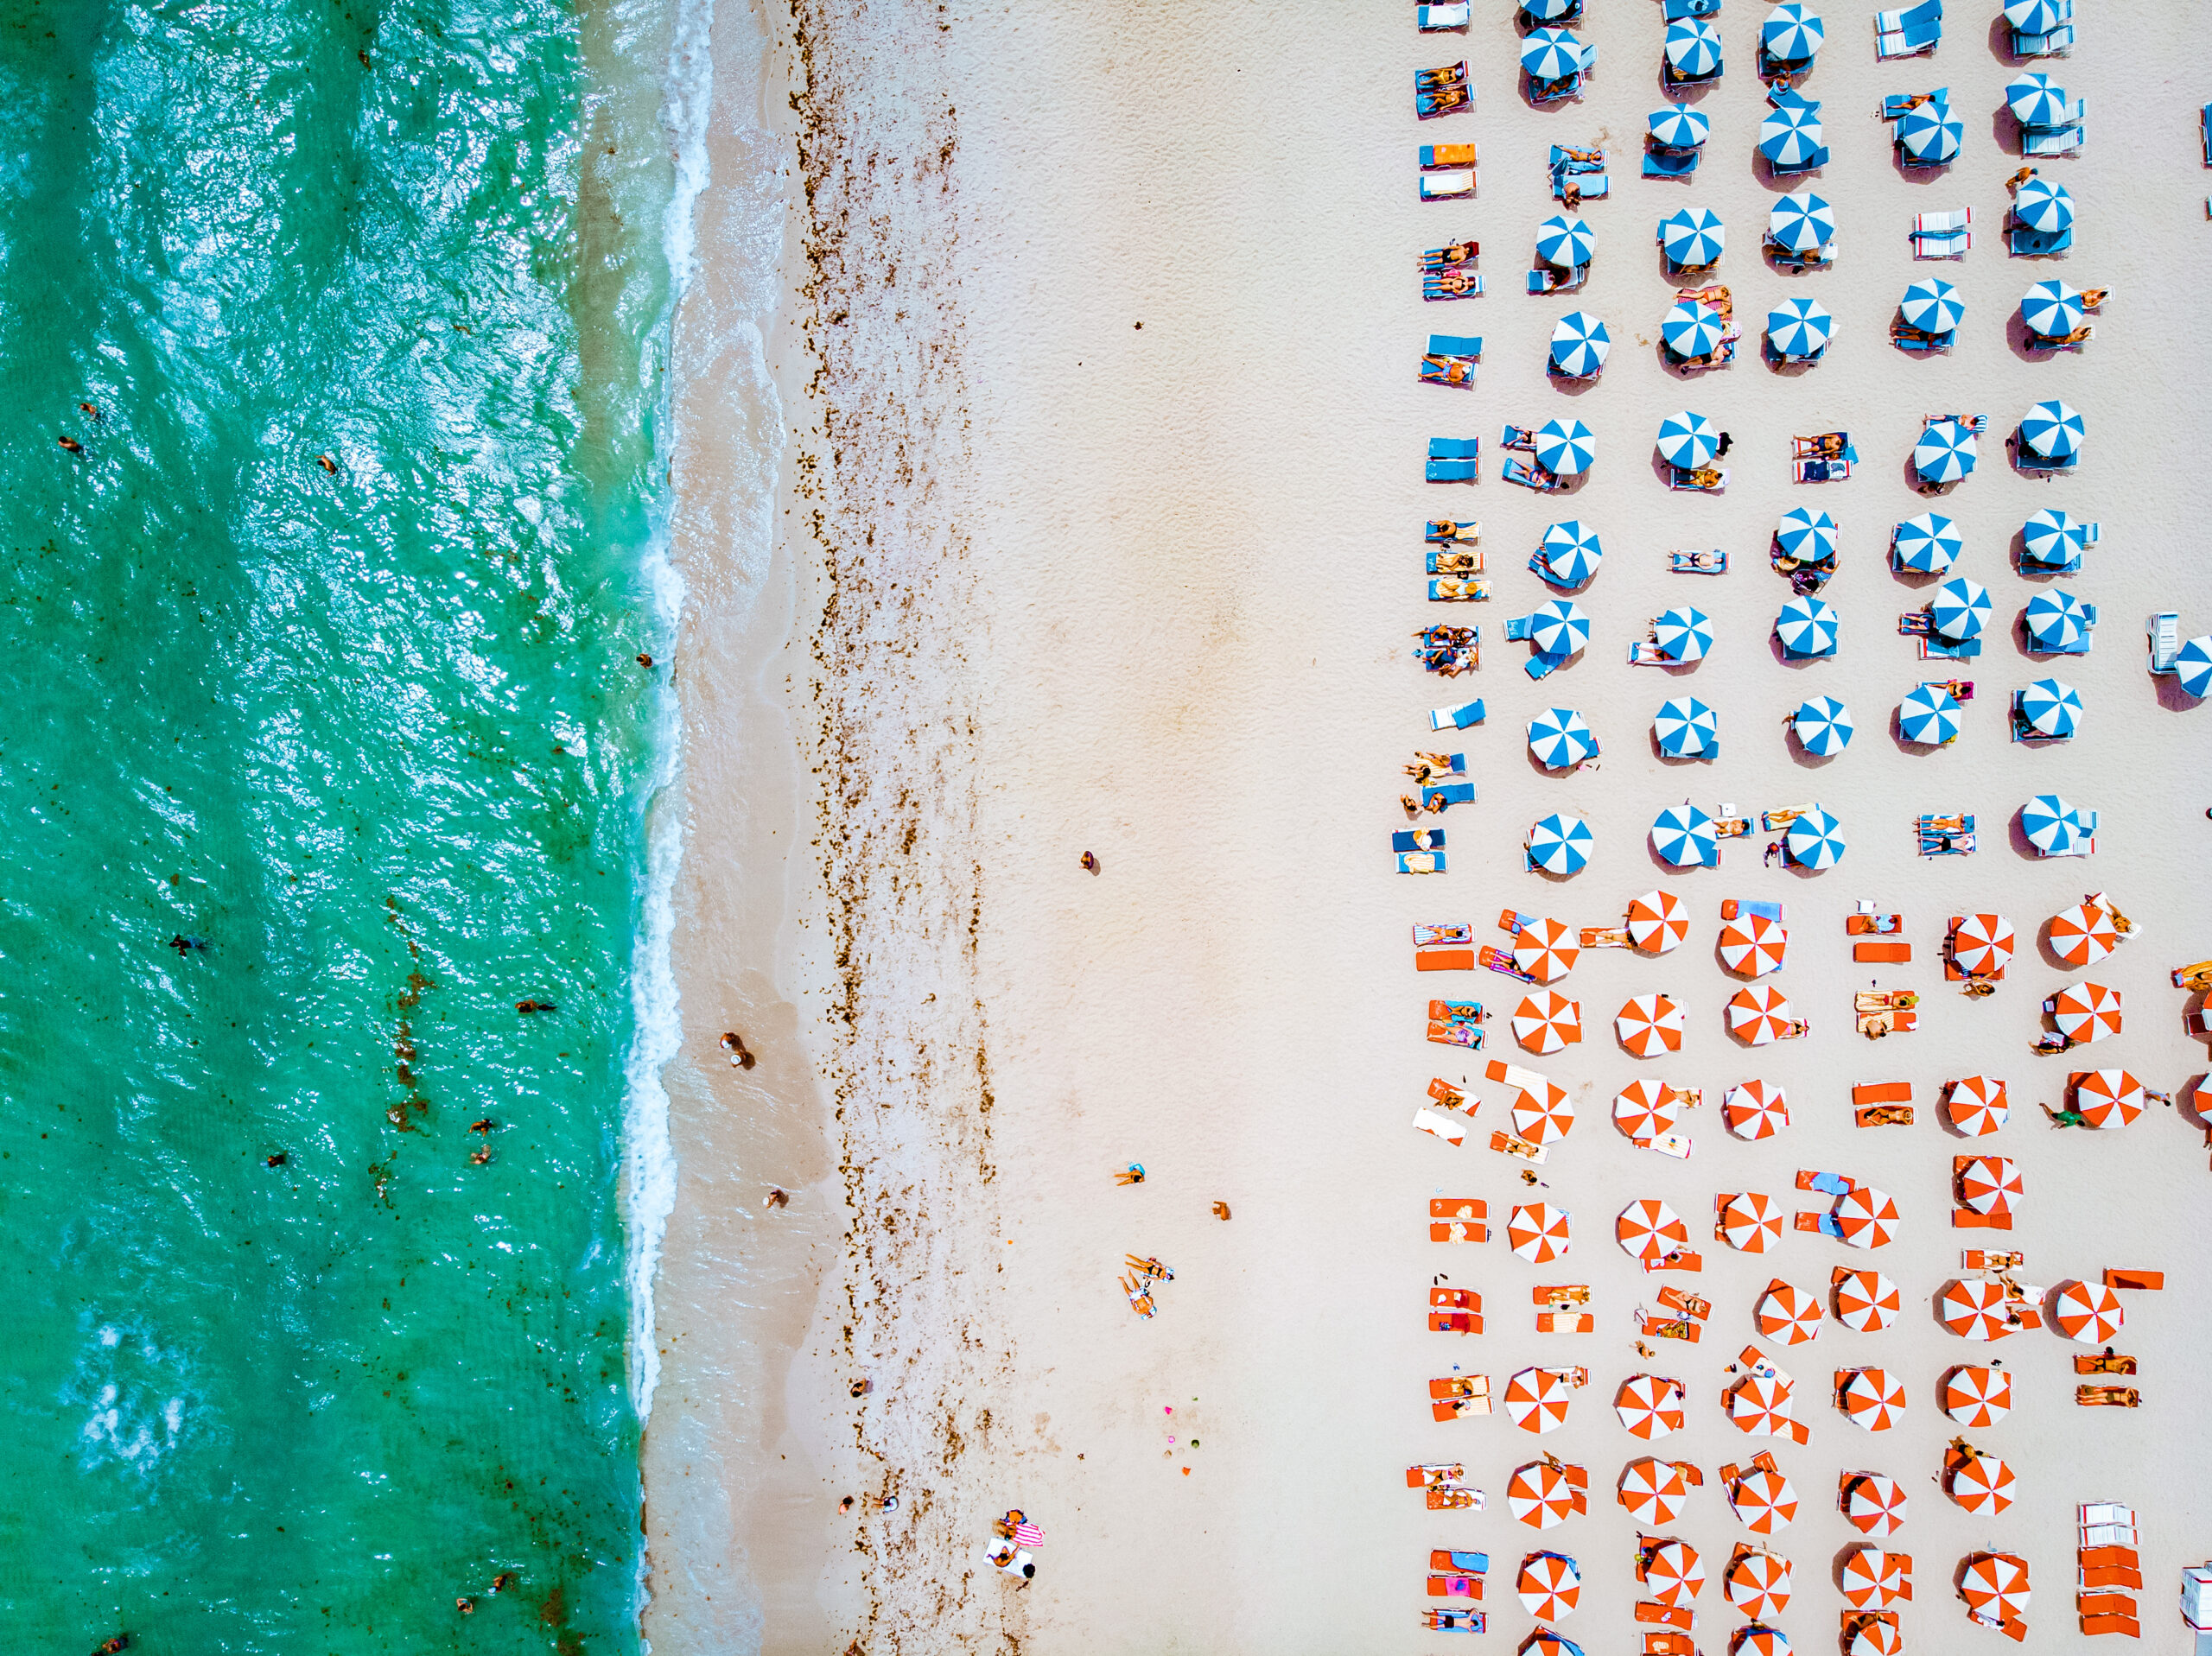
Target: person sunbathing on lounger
(1455, 281)
(2093, 297)
(1706, 477)
(1450, 370)
(1456, 253)
(1449, 98)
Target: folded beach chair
(1942, 235)
(1433, 20)
(1454, 460)
(1462, 717)
(2060, 138)
(1908, 33)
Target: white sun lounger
(1450, 1128)
(1430, 20)
(1942, 235)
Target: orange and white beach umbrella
(1989, 1184)
(1544, 1117)
(1546, 950)
(1765, 1501)
(1872, 1398)
(1866, 1301)
(2083, 935)
(1544, 1642)
(1649, 1229)
(1750, 1221)
(2109, 1098)
(1786, 1316)
(1995, 1586)
(2088, 1313)
(1649, 1406)
(1761, 1406)
(2086, 1011)
(1653, 1491)
(1758, 1640)
(1549, 1584)
(1975, 1395)
(1981, 944)
(1537, 1398)
(1540, 1495)
(1873, 1579)
(1973, 1309)
(1657, 921)
(1648, 1025)
(1753, 945)
(1983, 1484)
(1538, 1232)
(1759, 1015)
(1978, 1105)
(1867, 1217)
(1870, 1636)
(1546, 1021)
(1672, 1573)
(1755, 1109)
(1872, 1504)
(1758, 1584)
(1645, 1109)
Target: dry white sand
(1062, 583)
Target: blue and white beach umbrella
(1806, 535)
(2053, 430)
(1689, 440)
(1551, 54)
(2051, 309)
(1685, 727)
(1932, 305)
(1823, 727)
(1801, 221)
(1558, 738)
(1570, 550)
(2041, 205)
(1565, 242)
(1580, 343)
(1928, 543)
(2036, 16)
(1691, 237)
(1683, 835)
(1545, 11)
(1559, 628)
(1790, 135)
(1682, 633)
(1947, 451)
(1798, 329)
(1807, 627)
(1815, 840)
(1960, 608)
(1560, 844)
(1692, 329)
(1694, 47)
(1565, 447)
(1928, 715)
(2052, 537)
(1791, 33)
(2052, 708)
(2035, 101)
(2057, 622)
(1679, 127)
(2193, 666)
(2051, 826)
(1931, 134)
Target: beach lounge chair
(1451, 359)
(1451, 531)
(1455, 1586)
(1453, 1620)
(1908, 33)
(1942, 235)
(1458, 565)
(1905, 337)
(1442, 92)
(1437, 19)
(1529, 475)
(1454, 460)
(1675, 11)
(1421, 862)
(1445, 157)
(1820, 471)
(2061, 139)
(2055, 40)
(1706, 479)
(1447, 187)
(1467, 1564)
(1447, 794)
(1707, 562)
(1464, 716)
(1670, 163)
(1417, 839)
(1947, 836)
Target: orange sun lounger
(1967, 1219)
(1885, 953)
(2148, 1281)
(1455, 1586)
(2111, 1576)
(1650, 1612)
(2126, 1625)
(1458, 1219)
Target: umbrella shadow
(2000, 43)
(1800, 755)
(2191, 1100)
(2004, 130)
(1682, 92)
(1781, 183)
(1913, 170)
(1915, 581)
(2028, 347)
(2016, 551)
(1905, 744)
(2175, 699)
(1570, 385)
(1909, 474)
(1793, 663)
(1776, 364)
(1685, 368)
(1675, 760)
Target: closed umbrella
(1815, 840)
(1872, 1398)
(2039, 204)
(1544, 1116)
(1579, 342)
(2052, 430)
(1571, 552)
(1791, 33)
(1644, 1110)
(1653, 1491)
(1541, 1495)
(1806, 535)
(1558, 738)
(1751, 945)
(2052, 708)
(1867, 1217)
(1929, 134)
(1551, 54)
(1978, 1105)
(1760, 1015)
(2051, 825)
(1693, 47)
(2088, 1313)
(1565, 447)
(1546, 1021)
(1981, 944)
(1546, 949)
(1798, 330)
(2193, 666)
(1787, 1316)
(1649, 1230)
(1823, 727)
(2057, 623)
(1536, 1399)
(1648, 1025)
(1559, 628)
(1564, 242)
(1790, 136)
(1945, 452)
(1691, 237)
(1749, 1222)
(1932, 305)
(1683, 633)
(1538, 1232)
(1689, 440)
(1807, 627)
(1649, 1406)
(1975, 1395)
(1872, 1504)
(2035, 101)
(1755, 1109)
(1692, 329)
(2051, 309)
(1765, 1501)
(1685, 727)
(1672, 1573)
(1927, 543)
(1560, 844)
(1657, 921)
(1960, 608)
(1679, 127)
(1549, 1585)
(1683, 835)
(2052, 537)
(2087, 1012)
(1867, 1302)
(1928, 715)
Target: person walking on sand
(738, 1058)
(777, 1197)
(1089, 863)
(1133, 1174)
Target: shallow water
(371, 734)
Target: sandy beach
(1049, 480)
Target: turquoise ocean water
(376, 737)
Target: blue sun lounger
(1671, 163)
(1675, 11)
(1422, 862)
(1418, 839)
(1908, 33)
(1465, 716)
(1454, 460)
(2061, 139)
(1448, 793)
(2028, 243)
(1448, 351)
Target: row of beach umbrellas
(1809, 627)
